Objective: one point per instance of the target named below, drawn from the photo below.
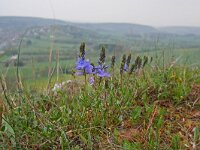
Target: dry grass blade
(3, 86)
(1, 111)
(151, 119)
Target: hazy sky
(150, 12)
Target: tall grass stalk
(19, 83)
(3, 86)
(57, 64)
(33, 69)
(50, 68)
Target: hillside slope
(181, 30)
(13, 22)
(118, 28)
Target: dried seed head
(113, 62)
(124, 58)
(82, 50)
(128, 60)
(145, 61)
(138, 62)
(132, 69)
(123, 63)
(102, 56)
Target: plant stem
(121, 80)
(100, 81)
(85, 75)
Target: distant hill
(12, 28)
(117, 28)
(13, 22)
(19, 23)
(180, 30)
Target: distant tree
(29, 42)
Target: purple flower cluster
(101, 71)
(84, 67)
(126, 67)
(126, 63)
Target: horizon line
(101, 22)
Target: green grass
(152, 109)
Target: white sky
(149, 12)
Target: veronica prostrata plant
(122, 68)
(113, 62)
(145, 61)
(126, 66)
(132, 69)
(83, 66)
(138, 63)
(100, 70)
(122, 64)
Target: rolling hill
(16, 23)
(180, 30)
(117, 28)
(139, 37)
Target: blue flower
(91, 80)
(83, 66)
(101, 71)
(82, 51)
(125, 67)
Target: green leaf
(136, 113)
(84, 140)
(196, 134)
(8, 130)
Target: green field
(35, 56)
